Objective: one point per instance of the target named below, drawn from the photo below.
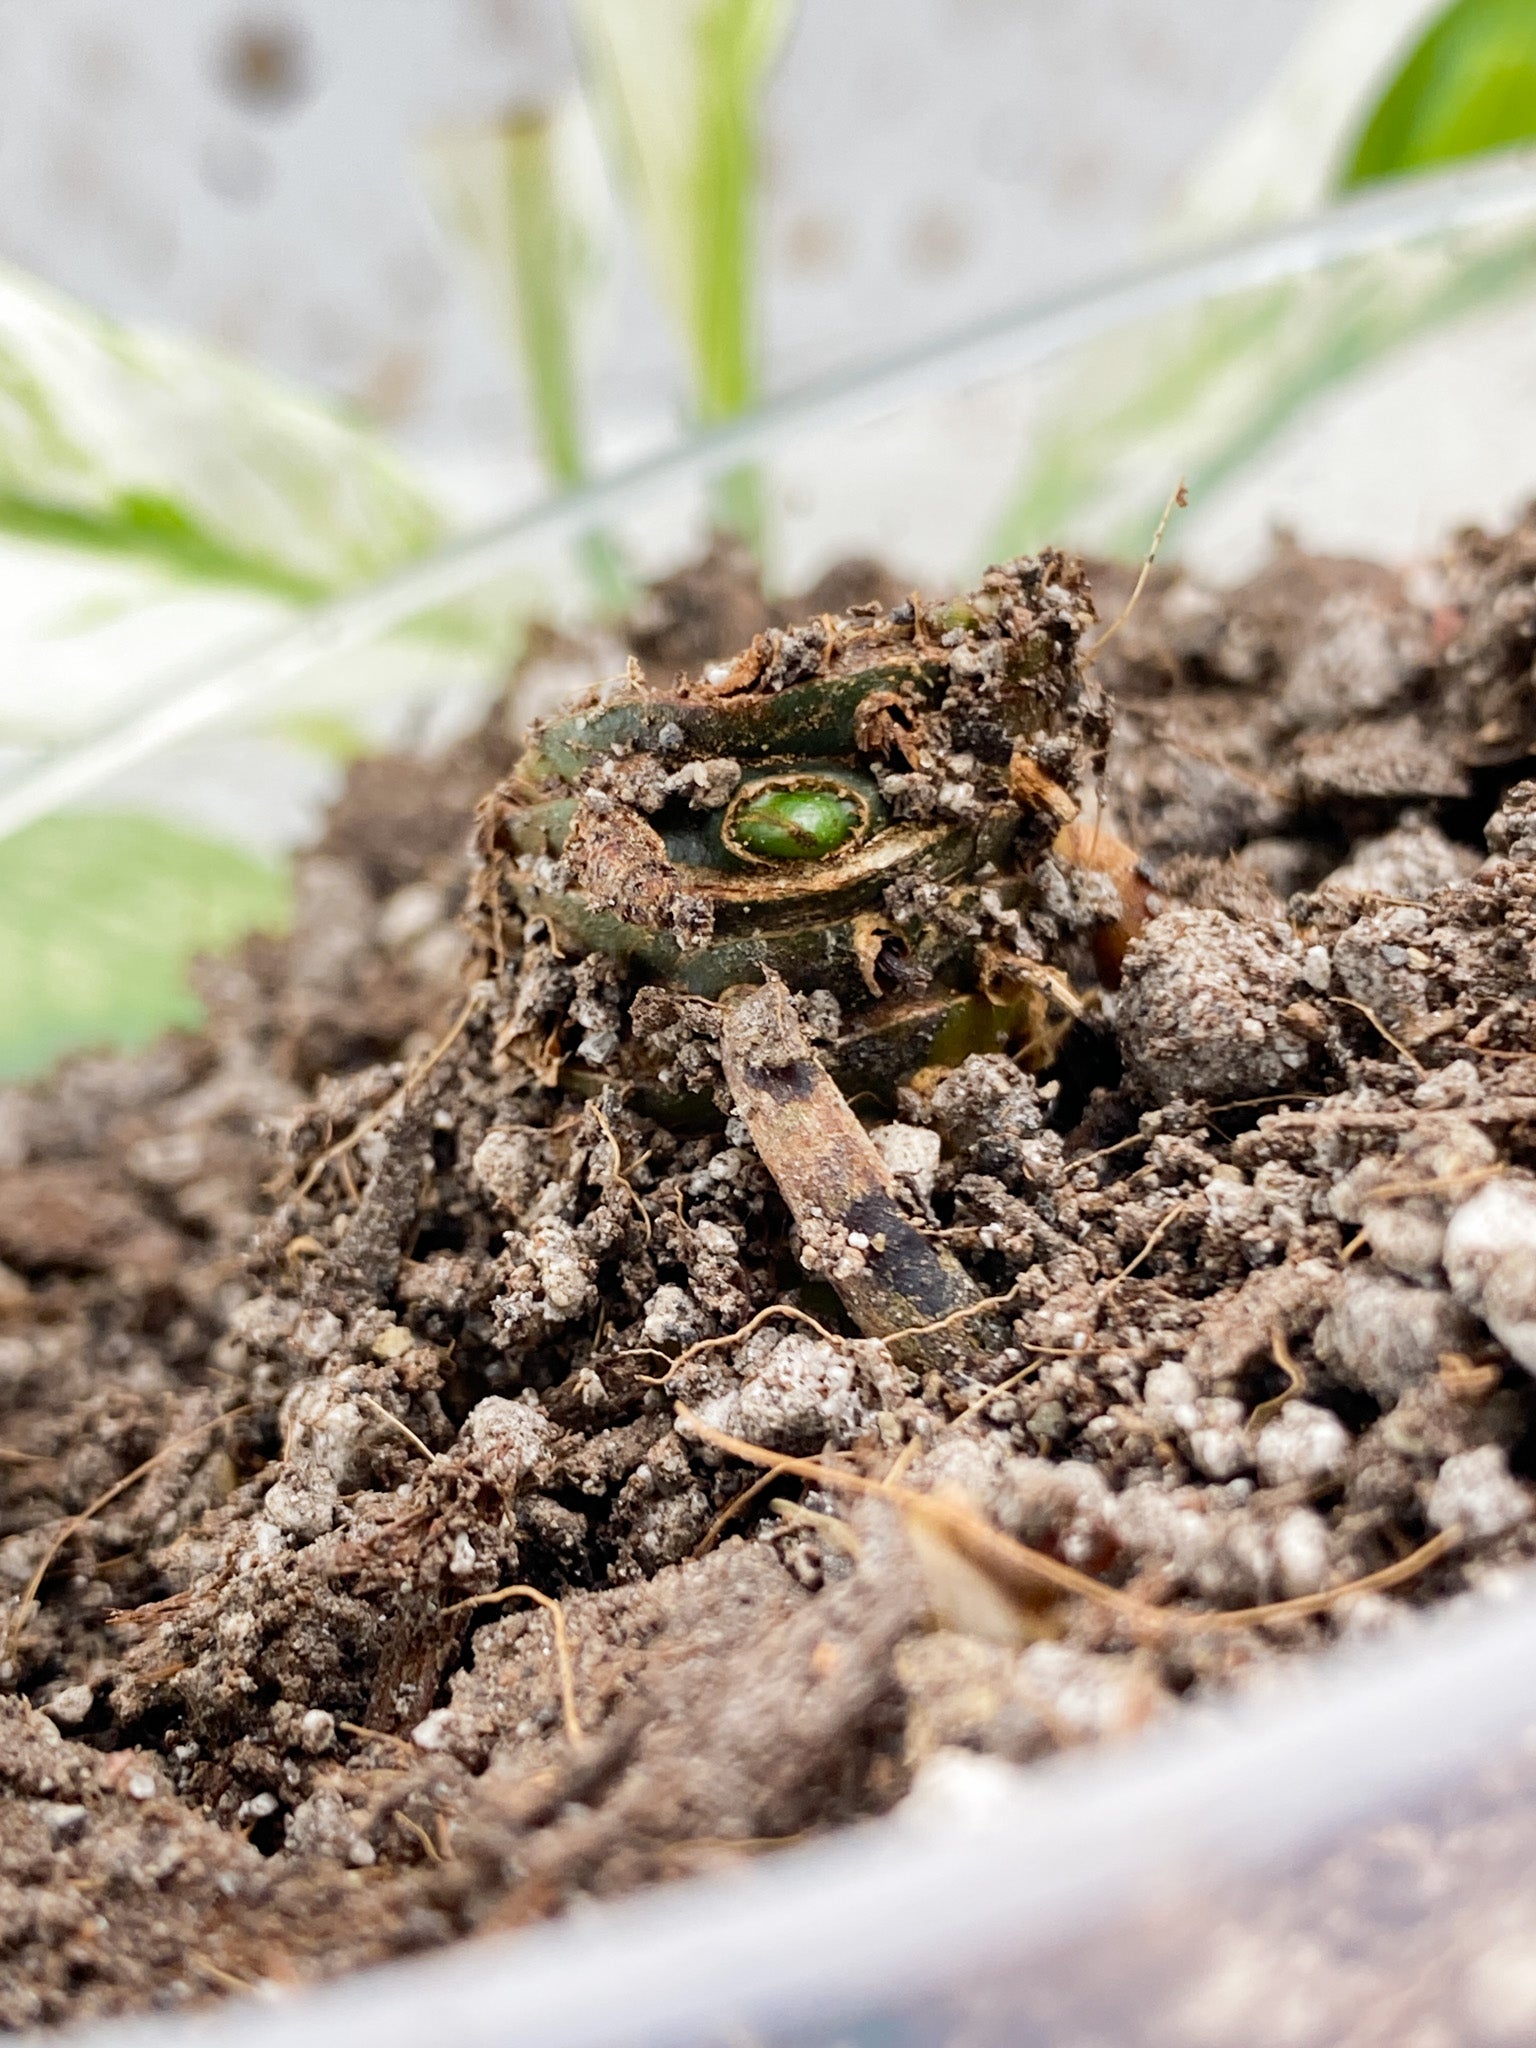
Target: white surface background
(244, 169)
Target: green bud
(794, 824)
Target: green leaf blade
(543, 295)
(677, 88)
(1467, 87)
(161, 448)
(100, 917)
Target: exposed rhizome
(374, 1572)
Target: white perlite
(1213, 1428)
(507, 1438)
(1304, 1443)
(437, 1730)
(70, 1707)
(563, 1269)
(1085, 1692)
(672, 1316)
(1477, 1493)
(1301, 1553)
(317, 1731)
(911, 1153)
(1218, 1443)
(799, 1391)
(1490, 1260)
(1383, 1334)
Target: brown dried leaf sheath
(841, 1192)
(620, 863)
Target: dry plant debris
(458, 1454)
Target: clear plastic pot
(1348, 1855)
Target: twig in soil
(1215, 1109)
(732, 1508)
(1383, 1581)
(1403, 1190)
(959, 1315)
(378, 1408)
(381, 1735)
(1396, 1043)
(226, 1979)
(575, 1733)
(1258, 1101)
(893, 1281)
(414, 1827)
(1443, 1184)
(914, 1446)
(784, 1308)
(618, 1169)
(845, 1538)
(1163, 1224)
(778, 1308)
(1083, 1350)
(387, 1108)
(1211, 1109)
(75, 1523)
(1280, 1351)
(1010, 1562)
(742, 1845)
(1179, 498)
(1108, 1151)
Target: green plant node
(795, 824)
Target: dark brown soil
(323, 1327)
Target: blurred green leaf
(677, 86)
(155, 447)
(1200, 392)
(100, 915)
(526, 199)
(325, 733)
(1467, 87)
(546, 258)
(736, 41)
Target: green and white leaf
(160, 505)
(1283, 156)
(100, 916)
(1469, 86)
(85, 634)
(1199, 393)
(677, 86)
(165, 452)
(527, 202)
